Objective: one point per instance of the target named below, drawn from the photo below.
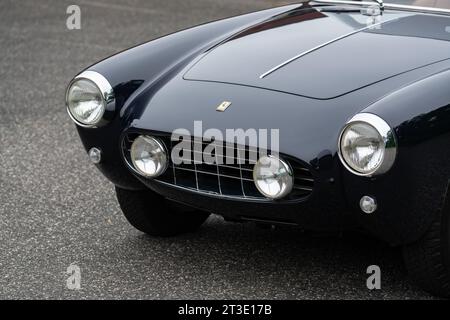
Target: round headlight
(273, 177)
(148, 156)
(87, 98)
(367, 145)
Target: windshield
(443, 4)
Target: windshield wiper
(380, 3)
(365, 3)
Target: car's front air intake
(231, 179)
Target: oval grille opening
(232, 177)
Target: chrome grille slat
(301, 169)
(226, 145)
(224, 179)
(173, 168)
(195, 169)
(218, 173)
(213, 174)
(224, 156)
(303, 188)
(231, 167)
(240, 172)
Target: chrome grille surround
(226, 180)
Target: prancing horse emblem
(223, 106)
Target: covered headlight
(273, 177)
(367, 145)
(148, 156)
(87, 98)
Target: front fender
(148, 62)
(149, 65)
(412, 193)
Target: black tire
(154, 215)
(428, 260)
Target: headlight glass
(273, 177)
(85, 102)
(148, 156)
(362, 147)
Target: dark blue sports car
(326, 115)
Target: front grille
(230, 180)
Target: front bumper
(407, 203)
(310, 213)
(229, 189)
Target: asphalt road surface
(57, 210)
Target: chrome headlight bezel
(388, 139)
(105, 90)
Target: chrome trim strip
(402, 7)
(217, 195)
(388, 136)
(392, 6)
(323, 45)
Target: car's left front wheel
(156, 216)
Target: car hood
(325, 53)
